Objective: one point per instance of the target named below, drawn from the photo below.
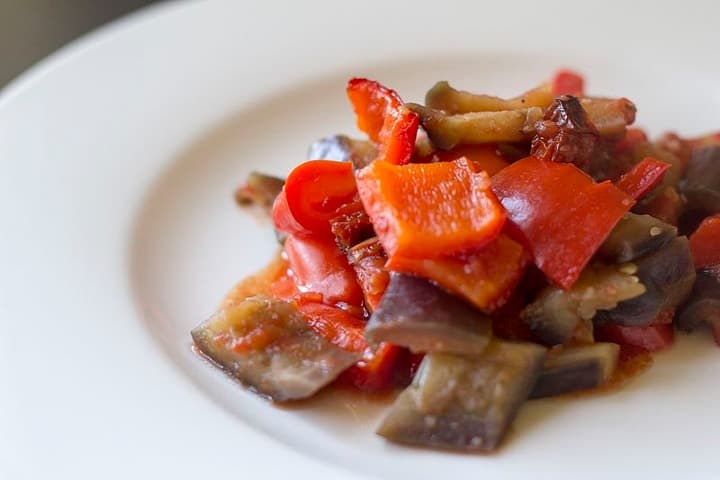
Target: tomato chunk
(643, 177)
(427, 210)
(383, 116)
(559, 213)
(567, 82)
(705, 243)
(313, 191)
(485, 278)
(320, 267)
(651, 338)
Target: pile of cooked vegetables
(476, 252)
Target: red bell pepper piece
(313, 191)
(485, 157)
(376, 371)
(643, 177)
(666, 205)
(652, 338)
(567, 82)
(485, 278)
(320, 267)
(705, 243)
(633, 136)
(383, 116)
(559, 213)
(430, 209)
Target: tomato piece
(376, 371)
(320, 267)
(383, 116)
(559, 213)
(430, 209)
(705, 243)
(313, 191)
(485, 278)
(643, 177)
(652, 338)
(567, 82)
(485, 157)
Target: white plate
(119, 156)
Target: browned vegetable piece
(572, 369)
(268, 346)
(668, 275)
(447, 131)
(634, 236)
(558, 316)
(444, 97)
(565, 135)
(704, 303)
(416, 314)
(343, 149)
(260, 190)
(465, 402)
(701, 185)
(368, 260)
(610, 117)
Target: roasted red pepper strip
(705, 243)
(383, 116)
(485, 157)
(485, 278)
(559, 213)
(376, 371)
(633, 136)
(567, 82)
(320, 267)
(430, 209)
(651, 338)
(313, 191)
(643, 177)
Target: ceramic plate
(119, 157)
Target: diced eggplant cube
(572, 369)
(634, 236)
(701, 186)
(668, 275)
(465, 402)
(343, 149)
(266, 345)
(419, 315)
(704, 303)
(259, 190)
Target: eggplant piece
(343, 149)
(634, 236)
(444, 97)
(668, 275)
(704, 303)
(701, 186)
(557, 316)
(572, 369)
(465, 402)
(416, 314)
(259, 190)
(286, 361)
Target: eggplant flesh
(668, 275)
(465, 402)
(344, 149)
(701, 186)
(417, 314)
(558, 316)
(294, 364)
(634, 236)
(572, 369)
(259, 189)
(704, 303)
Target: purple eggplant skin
(343, 149)
(668, 275)
(415, 313)
(703, 305)
(634, 236)
(701, 185)
(295, 365)
(572, 369)
(465, 402)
